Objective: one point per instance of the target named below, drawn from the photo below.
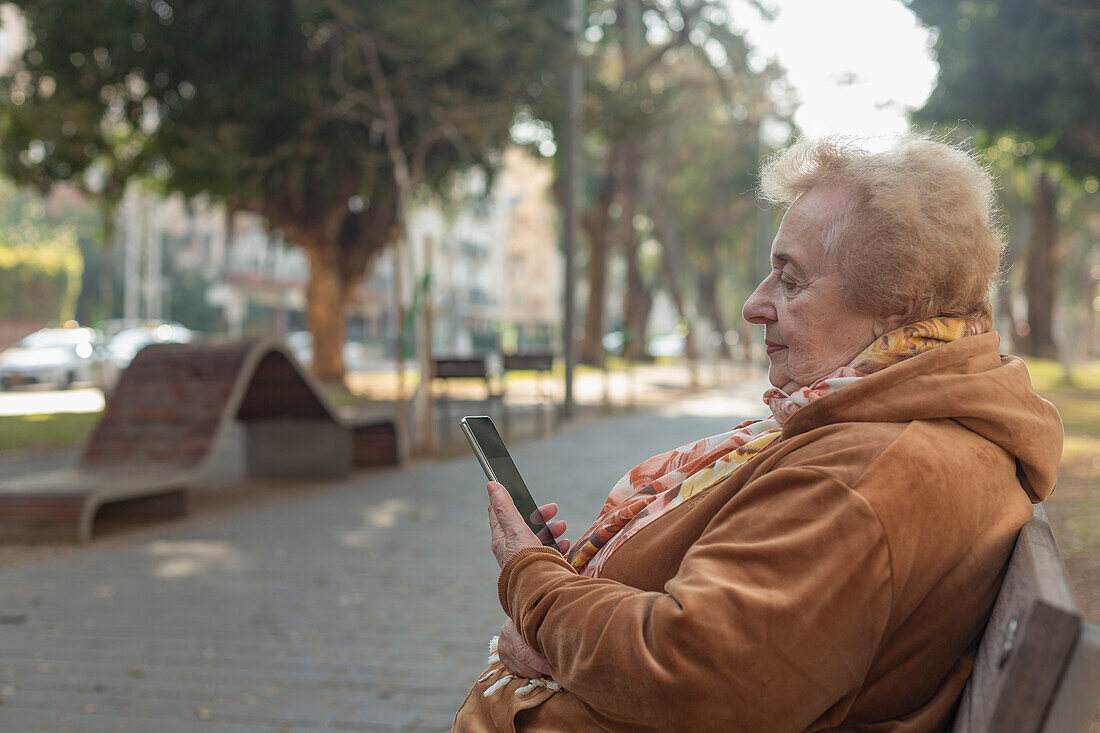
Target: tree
(1026, 71)
(71, 119)
(321, 115)
(629, 100)
(716, 151)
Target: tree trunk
(326, 298)
(638, 299)
(597, 225)
(339, 244)
(1089, 284)
(1041, 276)
(672, 269)
(708, 292)
(672, 266)
(639, 302)
(1005, 313)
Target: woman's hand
(519, 658)
(510, 533)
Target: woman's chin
(777, 371)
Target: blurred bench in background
(171, 407)
(542, 363)
(495, 401)
(444, 372)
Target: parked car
(125, 344)
(59, 357)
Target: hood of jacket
(966, 381)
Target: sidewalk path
(364, 606)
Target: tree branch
(688, 15)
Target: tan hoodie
(839, 581)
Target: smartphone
(498, 466)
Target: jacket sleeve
(771, 621)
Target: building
(490, 250)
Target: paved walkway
(364, 605)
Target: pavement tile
(363, 604)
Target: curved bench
(171, 407)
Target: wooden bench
(1038, 663)
(157, 436)
(446, 369)
(542, 363)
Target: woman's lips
(773, 347)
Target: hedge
(40, 280)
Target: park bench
(444, 371)
(1038, 664)
(542, 363)
(172, 406)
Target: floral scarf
(664, 482)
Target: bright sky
(857, 65)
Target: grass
(1074, 508)
(19, 432)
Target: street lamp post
(571, 189)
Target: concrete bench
(1038, 663)
(157, 436)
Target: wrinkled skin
(810, 325)
(510, 534)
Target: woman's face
(810, 327)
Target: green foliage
(713, 153)
(304, 111)
(1021, 68)
(272, 104)
(40, 279)
(40, 263)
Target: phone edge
(477, 450)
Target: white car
(125, 344)
(60, 357)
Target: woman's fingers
(556, 528)
(545, 513)
(517, 656)
(509, 532)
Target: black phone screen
(483, 436)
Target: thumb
(500, 500)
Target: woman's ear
(909, 313)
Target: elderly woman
(830, 567)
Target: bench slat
(1027, 644)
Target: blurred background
(381, 183)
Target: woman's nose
(758, 309)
